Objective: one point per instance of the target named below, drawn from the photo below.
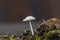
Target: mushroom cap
(28, 18)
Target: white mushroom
(29, 18)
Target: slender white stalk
(31, 28)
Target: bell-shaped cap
(28, 18)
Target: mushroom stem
(31, 28)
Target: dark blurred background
(16, 10)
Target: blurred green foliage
(48, 30)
